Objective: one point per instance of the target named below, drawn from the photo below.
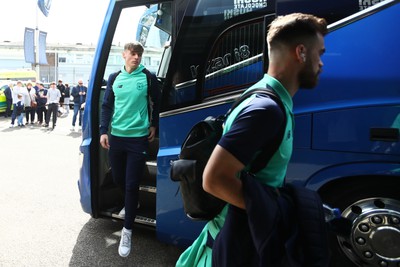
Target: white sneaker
(72, 128)
(125, 243)
(122, 213)
(12, 126)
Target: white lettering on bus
(243, 6)
(218, 63)
(367, 3)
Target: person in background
(17, 90)
(30, 108)
(61, 87)
(19, 107)
(9, 102)
(53, 99)
(126, 106)
(79, 94)
(66, 95)
(41, 99)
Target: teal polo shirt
(130, 117)
(258, 120)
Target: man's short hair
(134, 47)
(295, 28)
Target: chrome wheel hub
(375, 235)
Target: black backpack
(195, 152)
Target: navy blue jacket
(20, 107)
(284, 228)
(41, 101)
(7, 92)
(67, 91)
(79, 99)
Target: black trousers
(41, 112)
(52, 111)
(30, 112)
(8, 108)
(128, 158)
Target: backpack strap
(153, 94)
(113, 77)
(267, 152)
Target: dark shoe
(46, 125)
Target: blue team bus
(206, 52)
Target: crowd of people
(33, 101)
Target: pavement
(42, 222)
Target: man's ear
(301, 52)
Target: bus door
(125, 21)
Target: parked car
(3, 103)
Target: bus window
(236, 60)
(215, 24)
(142, 28)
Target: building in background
(68, 62)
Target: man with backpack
(131, 105)
(296, 43)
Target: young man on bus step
(296, 43)
(126, 106)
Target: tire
(373, 207)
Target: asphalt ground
(42, 223)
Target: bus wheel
(375, 232)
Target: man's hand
(104, 141)
(152, 134)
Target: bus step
(147, 188)
(139, 219)
(145, 220)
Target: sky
(69, 21)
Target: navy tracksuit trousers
(128, 157)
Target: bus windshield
(148, 24)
